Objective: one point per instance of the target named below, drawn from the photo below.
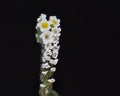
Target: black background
(87, 47)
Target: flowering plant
(48, 33)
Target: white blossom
(56, 48)
(44, 25)
(47, 37)
(43, 59)
(42, 85)
(49, 52)
(48, 46)
(45, 53)
(55, 54)
(43, 16)
(53, 69)
(51, 80)
(55, 22)
(45, 65)
(53, 61)
(46, 56)
(56, 31)
(44, 72)
(55, 51)
(55, 39)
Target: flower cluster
(48, 33)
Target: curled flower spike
(48, 33)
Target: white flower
(56, 47)
(44, 59)
(44, 72)
(49, 52)
(45, 54)
(55, 22)
(47, 37)
(55, 51)
(56, 31)
(47, 58)
(55, 54)
(54, 62)
(53, 69)
(55, 39)
(55, 44)
(51, 80)
(42, 85)
(46, 65)
(41, 17)
(44, 25)
(48, 46)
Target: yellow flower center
(44, 25)
(54, 22)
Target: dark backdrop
(87, 47)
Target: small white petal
(45, 54)
(38, 19)
(48, 58)
(44, 72)
(43, 59)
(46, 65)
(42, 85)
(43, 16)
(55, 55)
(55, 39)
(53, 69)
(51, 80)
(54, 62)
